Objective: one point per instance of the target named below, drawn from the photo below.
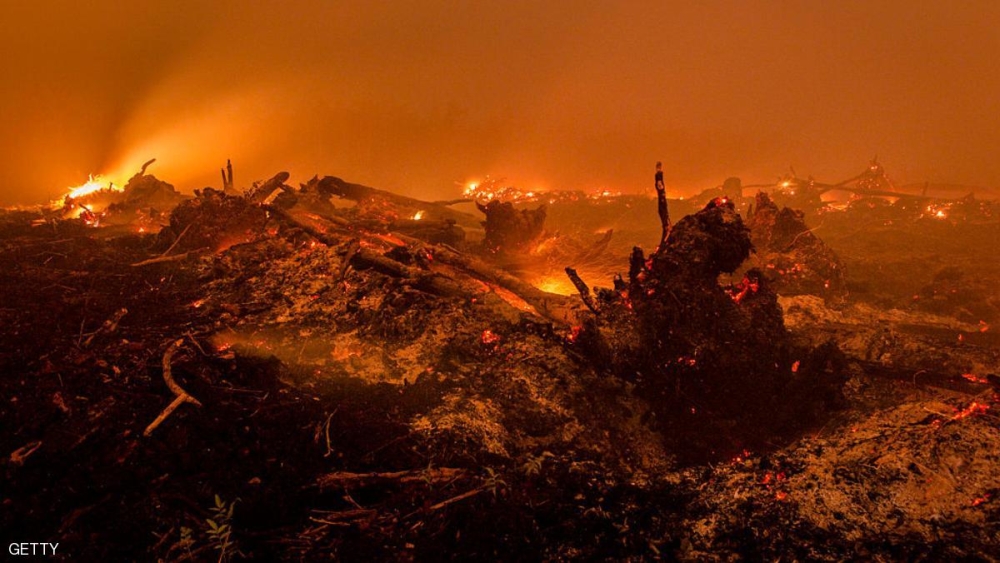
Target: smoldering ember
(799, 371)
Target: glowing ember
(743, 456)
(974, 408)
(937, 211)
(981, 500)
(418, 216)
(746, 286)
(489, 337)
(975, 378)
(574, 333)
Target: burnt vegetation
(332, 370)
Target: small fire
(93, 184)
(75, 209)
(493, 189)
(937, 211)
(983, 499)
(418, 216)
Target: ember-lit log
(357, 192)
(582, 287)
(260, 192)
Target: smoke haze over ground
(414, 96)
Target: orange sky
(414, 96)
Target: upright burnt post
(661, 205)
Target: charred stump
(510, 230)
(716, 362)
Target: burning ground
(333, 370)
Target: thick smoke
(414, 96)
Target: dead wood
(146, 165)
(458, 498)
(260, 192)
(177, 240)
(434, 282)
(357, 192)
(174, 258)
(18, 456)
(182, 396)
(923, 378)
(429, 476)
(108, 327)
(351, 251)
(552, 306)
(582, 287)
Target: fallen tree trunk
(357, 192)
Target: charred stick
(174, 258)
(429, 476)
(177, 240)
(584, 290)
(146, 165)
(353, 249)
(458, 498)
(109, 326)
(182, 396)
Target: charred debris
(336, 370)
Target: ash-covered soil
(348, 413)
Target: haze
(416, 96)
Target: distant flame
(93, 185)
(418, 216)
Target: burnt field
(335, 371)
